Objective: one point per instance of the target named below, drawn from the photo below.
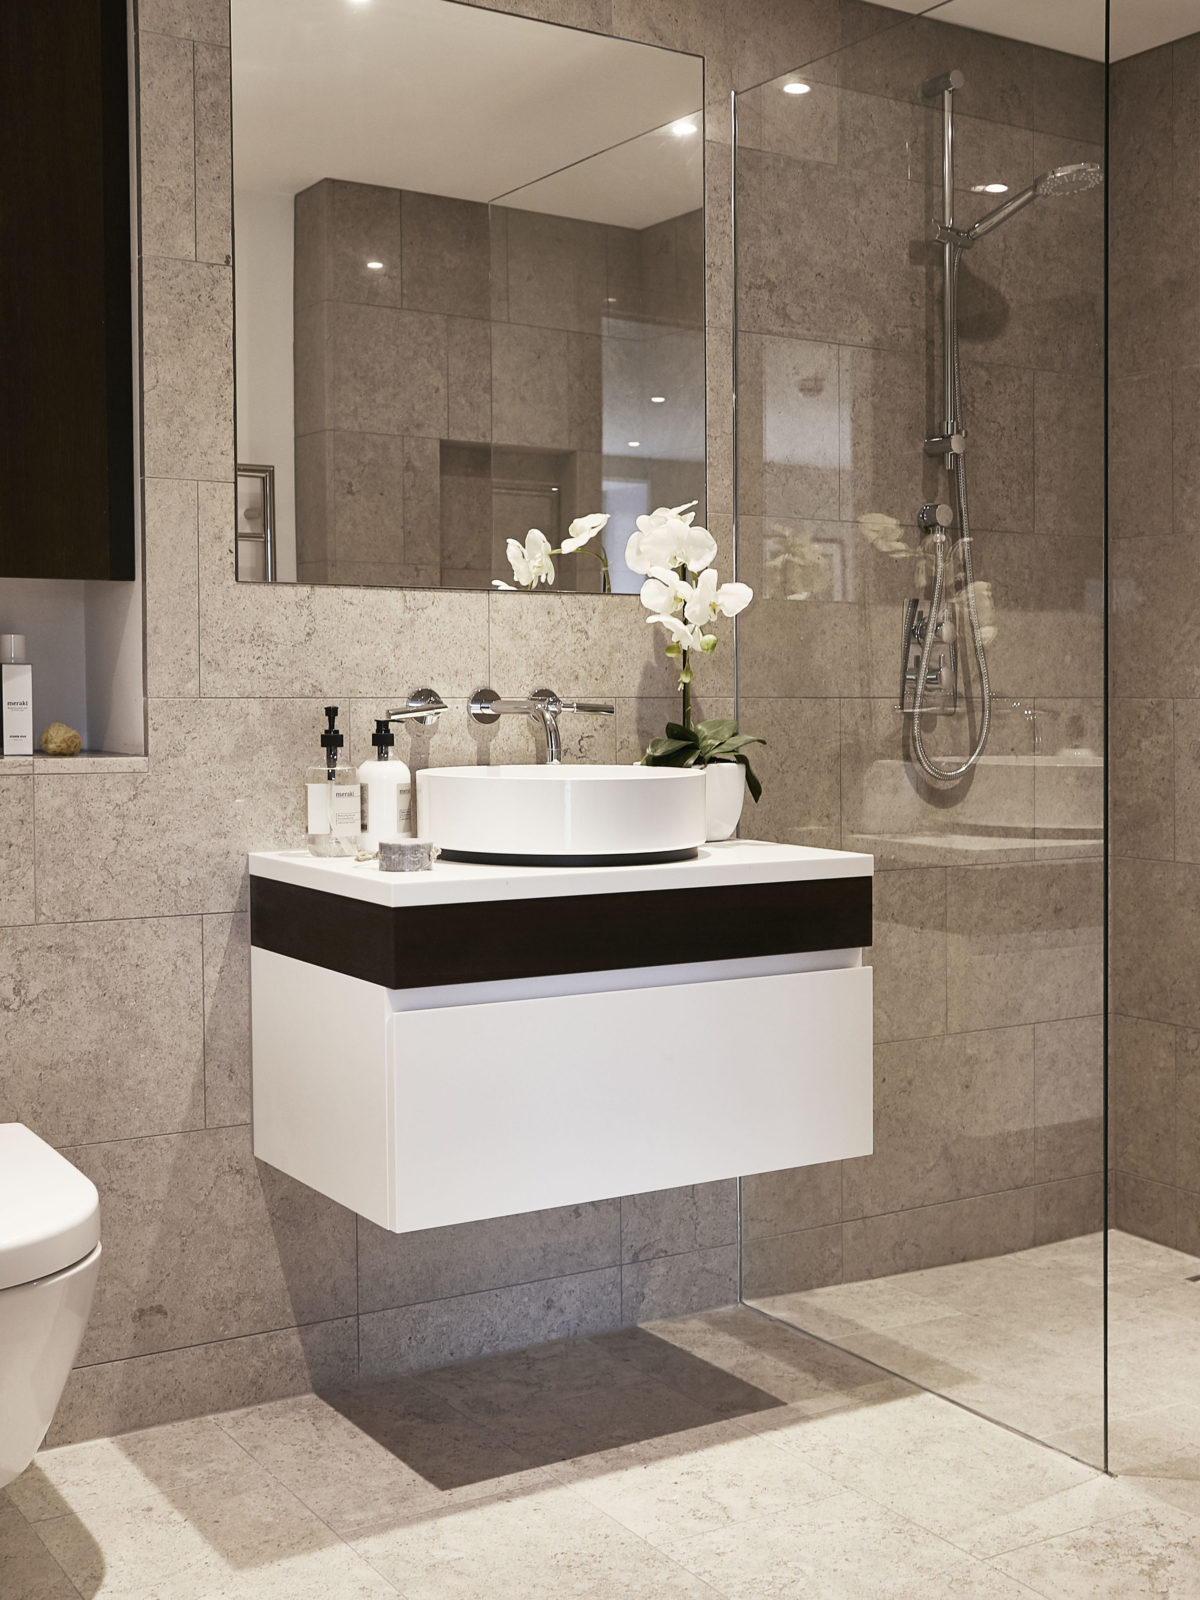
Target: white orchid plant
(533, 562)
(683, 593)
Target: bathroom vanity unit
(476, 1041)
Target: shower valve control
(932, 651)
(932, 517)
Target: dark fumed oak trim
(651, 858)
(482, 941)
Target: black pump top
(383, 738)
(331, 740)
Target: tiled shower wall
(988, 955)
(1154, 510)
(123, 959)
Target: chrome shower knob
(937, 515)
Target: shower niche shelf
(479, 1041)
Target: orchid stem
(686, 691)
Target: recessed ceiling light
(989, 188)
(635, 444)
(612, 300)
(658, 399)
(682, 128)
(375, 266)
(797, 88)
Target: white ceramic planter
(724, 797)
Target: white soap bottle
(386, 794)
(16, 697)
(333, 798)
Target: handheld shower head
(1073, 179)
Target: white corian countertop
(737, 861)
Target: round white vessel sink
(562, 816)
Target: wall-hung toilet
(49, 1258)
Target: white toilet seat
(49, 1211)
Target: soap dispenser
(334, 798)
(386, 793)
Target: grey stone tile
(187, 364)
(407, 1269)
(214, 175)
(172, 588)
(364, 497)
(1142, 778)
(203, 1243)
(676, 1286)
(1152, 584)
(469, 379)
(1069, 1103)
(188, 19)
(1068, 1208)
(909, 953)
(531, 387)
(1155, 925)
(16, 850)
(113, 1397)
(1186, 788)
(379, 1453)
(385, 370)
(1036, 930)
(226, 1019)
(239, 759)
(556, 272)
(167, 147)
(30, 1572)
(798, 767)
(1113, 1559)
(585, 645)
(566, 1547)
(791, 1262)
(669, 1222)
(1139, 424)
(101, 1027)
(796, 1198)
(882, 412)
(1068, 470)
(414, 1338)
(1187, 1110)
(1144, 1208)
(1142, 1098)
(447, 257)
(960, 1230)
(339, 228)
(801, 648)
(954, 1116)
(335, 640)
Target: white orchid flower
(582, 530)
(665, 592)
(710, 600)
(665, 539)
(686, 637)
(531, 561)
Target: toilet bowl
(49, 1258)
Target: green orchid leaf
(738, 740)
(676, 730)
(717, 728)
(752, 782)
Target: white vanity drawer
(524, 1104)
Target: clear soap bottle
(334, 798)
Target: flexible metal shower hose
(947, 774)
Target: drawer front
(515, 1106)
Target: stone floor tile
(27, 1569)
(1154, 1551)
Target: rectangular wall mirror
(469, 288)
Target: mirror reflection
(469, 268)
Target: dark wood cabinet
(66, 340)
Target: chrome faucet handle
(555, 705)
(423, 705)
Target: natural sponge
(59, 740)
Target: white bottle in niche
(16, 696)
(386, 794)
(333, 798)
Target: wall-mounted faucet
(543, 705)
(423, 705)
